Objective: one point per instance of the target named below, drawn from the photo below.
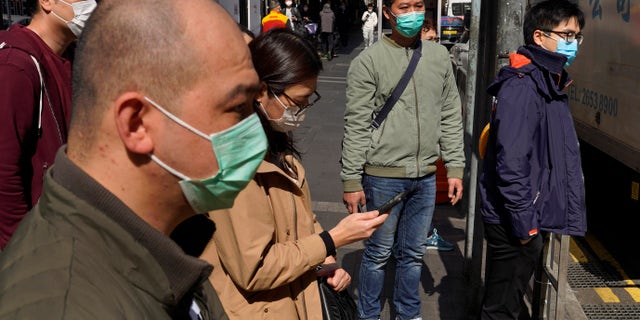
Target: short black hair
(30, 7)
(548, 14)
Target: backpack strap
(42, 88)
(35, 61)
(397, 91)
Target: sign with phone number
(594, 100)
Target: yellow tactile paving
(576, 253)
(634, 293)
(607, 295)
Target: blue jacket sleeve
(515, 123)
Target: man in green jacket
(161, 116)
(378, 163)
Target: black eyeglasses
(301, 107)
(569, 36)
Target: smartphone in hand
(386, 207)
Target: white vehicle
(458, 7)
(604, 100)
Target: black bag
(336, 305)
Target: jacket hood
(546, 68)
(13, 39)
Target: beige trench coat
(265, 249)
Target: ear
(263, 93)
(537, 37)
(133, 121)
(385, 12)
(46, 5)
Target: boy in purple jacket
(532, 176)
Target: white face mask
(288, 3)
(81, 12)
(290, 119)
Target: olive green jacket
(423, 125)
(82, 254)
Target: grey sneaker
(435, 242)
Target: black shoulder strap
(397, 91)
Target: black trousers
(510, 266)
(327, 43)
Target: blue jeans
(408, 225)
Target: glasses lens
(304, 108)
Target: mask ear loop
(183, 124)
(177, 120)
(168, 168)
(548, 36)
(264, 111)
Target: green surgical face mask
(410, 23)
(239, 150)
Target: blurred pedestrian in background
(429, 31)
(275, 19)
(293, 16)
(369, 24)
(343, 23)
(327, 27)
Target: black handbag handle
(336, 305)
(397, 91)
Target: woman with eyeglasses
(265, 249)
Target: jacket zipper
(199, 300)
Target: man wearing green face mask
(157, 136)
(400, 154)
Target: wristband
(328, 243)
